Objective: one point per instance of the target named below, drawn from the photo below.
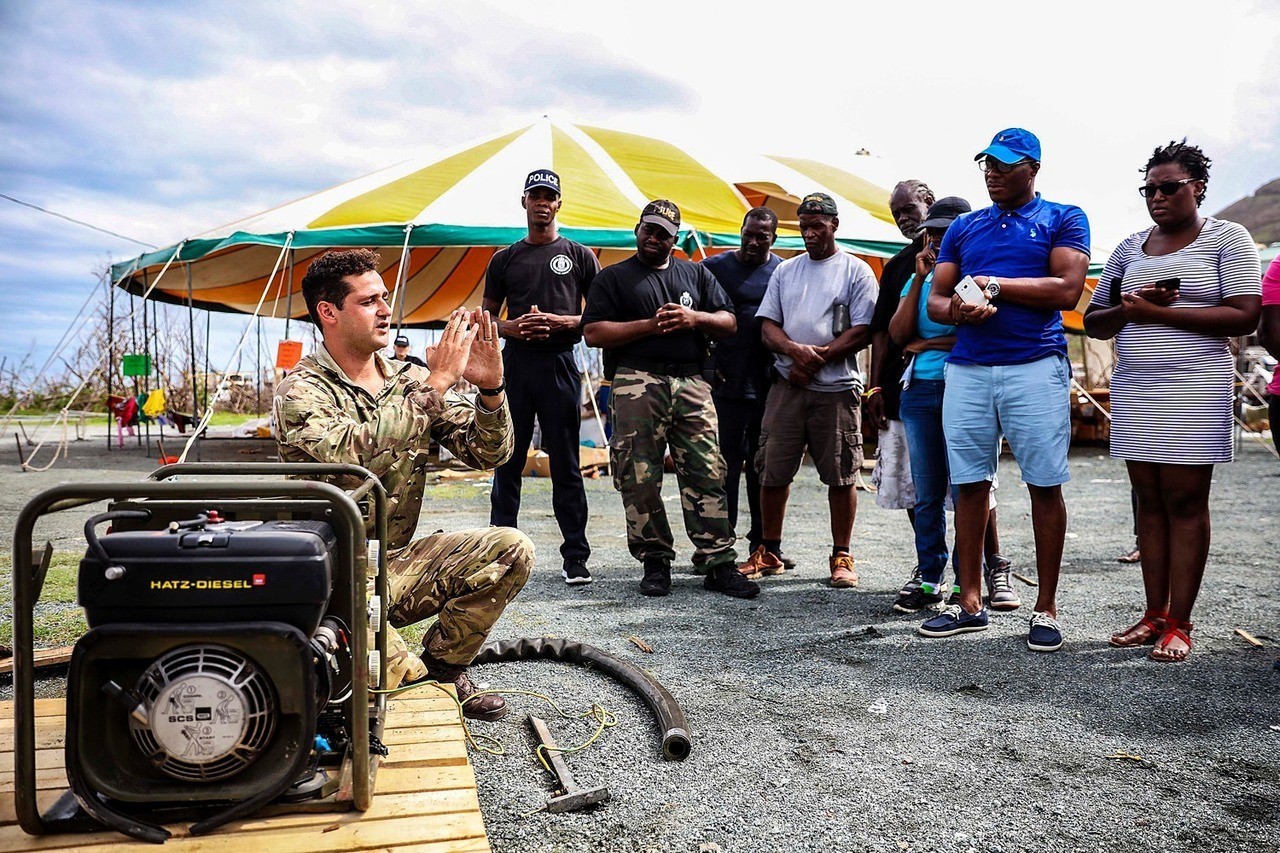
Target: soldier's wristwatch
(993, 287)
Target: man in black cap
(543, 280)
(402, 352)
(653, 314)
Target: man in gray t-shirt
(815, 316)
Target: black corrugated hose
(675, 730)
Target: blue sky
(160, 120)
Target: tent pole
(133, 334)
(191, 339)
(288, 297)
(111, 350)
(208, 323)
(397, 302)
(257, 374)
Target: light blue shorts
(1029, 404)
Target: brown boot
(842, 574)
(761, 563)
(489, 707)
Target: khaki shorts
(828, 423)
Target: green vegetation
(59, 621)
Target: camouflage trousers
(467, 578)
(650, 411)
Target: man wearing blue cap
(543, 280)
(1003, 275)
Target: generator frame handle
(371, 483)
(27, 587)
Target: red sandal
(1176, 630)
(1145, 633)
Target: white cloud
(165, 120)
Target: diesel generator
(227, 665)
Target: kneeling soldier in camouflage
(347, 403)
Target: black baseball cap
(664, 213)
(944, 211)
(542, 178)
(402, 341)
(818, 203)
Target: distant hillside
(1260, 213)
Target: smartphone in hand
(970, 293)
(1168, 284)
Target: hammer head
(572, 801)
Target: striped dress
(1172, 390)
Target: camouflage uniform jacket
(320, 415)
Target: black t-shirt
(629, 290)
(897, 270)
(554, 276)
(742, 361)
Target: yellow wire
(493, 746)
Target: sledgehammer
(568, 797)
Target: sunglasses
(1166, 189)
(990, 163)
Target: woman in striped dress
(1171, 295)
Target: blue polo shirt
(1013, 244)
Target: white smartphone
(970, 293)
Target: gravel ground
(822, 722)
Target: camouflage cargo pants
(467, 578)
(650, 411)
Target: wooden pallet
(425, 797)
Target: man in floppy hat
(1008, 373)
(402, 352)
(815, 317)
(543, 280)
(653, 314)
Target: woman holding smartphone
(1181, 288)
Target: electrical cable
(72, 219)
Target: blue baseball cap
(1011, 145)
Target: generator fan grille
(245, 718)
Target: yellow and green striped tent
(438, 221)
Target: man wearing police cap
(653, 314)
(402, 352)
(543, 280)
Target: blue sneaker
(954, 620)
(1045, 634)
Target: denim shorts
(1029, 404)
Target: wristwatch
(993, 287)
(493, 392)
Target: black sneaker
(917, 600)
(954, 598)
(727, 579)
(657, 578)
(575, 572)
(912, 585)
